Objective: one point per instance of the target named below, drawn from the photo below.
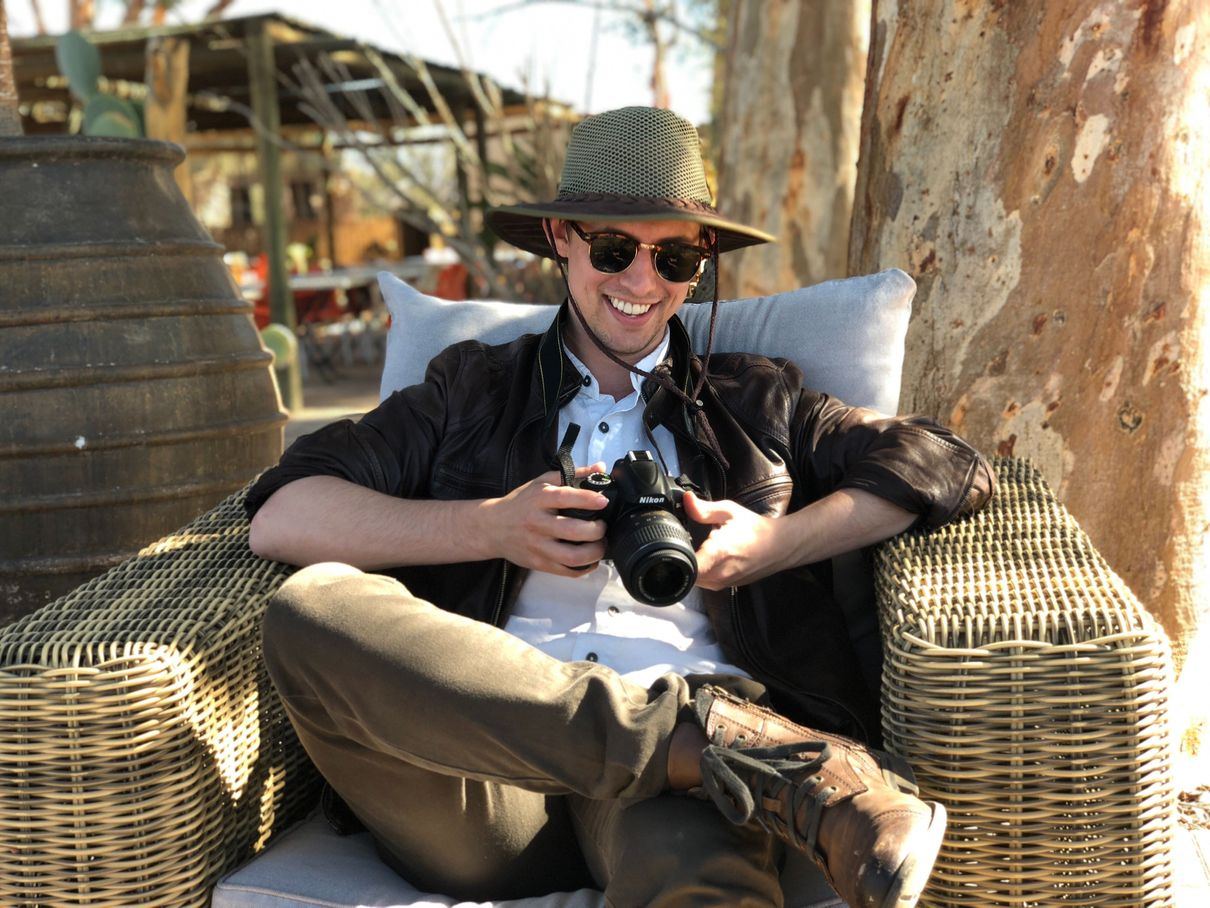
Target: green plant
(104, 115)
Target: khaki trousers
(486, 769)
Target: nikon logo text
(651, 499)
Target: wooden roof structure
(221, 54)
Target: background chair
(144, 754)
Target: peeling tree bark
(1040, 168)
(789, 137)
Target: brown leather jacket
(484, 422)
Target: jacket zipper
(499, 607)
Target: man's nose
(641, 275)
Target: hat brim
(521, 225)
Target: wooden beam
(262, 78)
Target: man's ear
(556, 231)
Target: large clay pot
(134, 390)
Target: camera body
(646, 537)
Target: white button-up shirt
(592, 617)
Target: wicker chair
(144, 753)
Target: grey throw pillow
(847, 335)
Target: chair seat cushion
(312, 866)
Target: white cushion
(311, 866)
(847, 335)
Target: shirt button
(591, 657)
(604, 426)
(613, 610)
(587, 381)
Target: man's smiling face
(627, 311)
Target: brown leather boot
(852, 809)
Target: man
(511, 719)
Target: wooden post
(486, 238)
(262, 82)
(329, 216)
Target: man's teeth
(627, 308)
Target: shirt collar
(559, 381)
(647, 364)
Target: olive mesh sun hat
(633, 164)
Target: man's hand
(525, 526)
(742, 546)
(325, 518)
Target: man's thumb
(702, 511)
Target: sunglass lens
(677, 263)
(612, 254)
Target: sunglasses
(613, 253)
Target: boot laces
(768, 770)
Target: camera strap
(567, 466)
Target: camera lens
(665, 579)
(654, 556)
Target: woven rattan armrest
(143, 752)
(1028, 688)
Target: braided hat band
(633, 164)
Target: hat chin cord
(692, 401)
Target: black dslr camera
(646, 537)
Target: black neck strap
(567, 466)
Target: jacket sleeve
(389, 450)
(913, 462)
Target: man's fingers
(702, 511)
(575, 529)
(565, 498)
(573, 559)
(531, 528)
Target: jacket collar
(560, 380)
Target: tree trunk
(788, 137)
(134, 11)
(80, 13)
(39, 19)
(219, 7)
(10, 116)
(659, 84)
(1040, 168)
(167, 79)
